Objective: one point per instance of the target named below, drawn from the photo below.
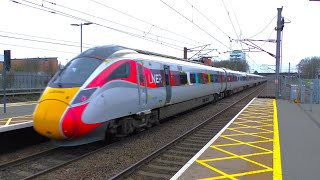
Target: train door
(224, 77)
(142, 84)
(167, 82)
(220, 74)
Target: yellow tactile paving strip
(15, 120)
(247, 149)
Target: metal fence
(306, 91)
(25, 81)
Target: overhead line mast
(280, 25)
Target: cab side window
(122, 71)
(140, 71)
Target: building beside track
(48, 65)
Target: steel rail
(39, 155)
(27, 158)
(88, 150)
(133, 168)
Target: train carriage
(112, 90)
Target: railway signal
(7, 60)
(6, 67)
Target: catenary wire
(264, 28)
(130, 27)
(78, 18)
(44, 38)
(40, 41)
(208, 19)
(230, 19)
(268, 38)
(151, 24)
(235, 15)
(29, 47)
(194, 23)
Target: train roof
(255, 75)
(101, 52)
(110, 51)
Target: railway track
(52, 159)
(165, 162)
(46, 161)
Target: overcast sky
(159, 21)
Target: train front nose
(50, 112)
(47, 118)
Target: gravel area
(120, 155)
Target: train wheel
(127, 126)
(110, 133)
(109, 137)
(215, 98)
(154, 118)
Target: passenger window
(183, 78)
(205, 78)
(200, 78)
(192, 78)
(212, 77)
(122, 71)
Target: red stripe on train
(72, 124)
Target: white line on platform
(195, 157)
(20, 104)
(16, 126)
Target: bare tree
(233, 65)
(309, 67)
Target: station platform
(18, 116)
(268, 139)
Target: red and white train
(113, 90)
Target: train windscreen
(75, 73)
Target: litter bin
(293, 92)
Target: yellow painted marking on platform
(246, 143)
(256, 127)
(29, 115)
(261, 132)
(248, 121)
(9, 120)
(20, 104)
(239, 174)
(269, 120)
(233, 157)
(277, 173)
(18, 121)
(215, 169)
(255, 134)
(266, 119)
(250, 134)
(243, 158)
(235, 144)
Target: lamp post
(81, 24)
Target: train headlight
(84, 95)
